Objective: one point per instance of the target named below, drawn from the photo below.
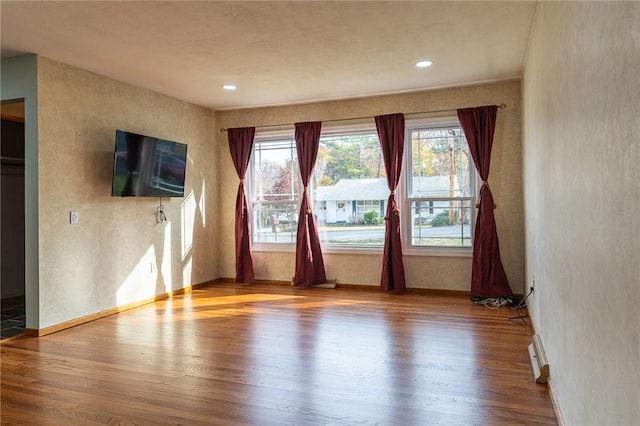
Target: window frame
(261, 137)
(339, 129)
(405, 200)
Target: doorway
(12, 218)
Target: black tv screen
(144, 166)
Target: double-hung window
(439, 186)
(275, 190)
(349, 189)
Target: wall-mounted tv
(144, 166)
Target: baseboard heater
(539, 363)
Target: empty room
(320, 213)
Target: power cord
(494, 303)
(520, 319)
(518, 306)
(160, 216)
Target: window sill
(376, 250)
(326, 249)
(371, 250)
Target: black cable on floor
(520, 318)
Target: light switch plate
(73, 217)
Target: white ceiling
(275, 52)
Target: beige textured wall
(421, 272)
(582, 197)
(105, 260)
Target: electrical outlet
(73, 217)
(153, 268)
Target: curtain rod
(222, 130)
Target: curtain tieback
(309, 211)
(395, 212)
(485, 183)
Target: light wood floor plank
(274, 355)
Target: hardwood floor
(276, 355)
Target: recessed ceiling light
(424, 64)
(229, 87)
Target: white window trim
(407, 248)
(331, 130)
(262, 137)
(405, 224)
(326, 249)
(280, 134)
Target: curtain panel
(391, 134)
(240, 146)
(309, 264)
(488, 278)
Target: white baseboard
(554, 402)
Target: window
(349, 189)
(365, 208)
(440, 186)
(275, 191)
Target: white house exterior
(349, 199)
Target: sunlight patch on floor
(217, 313)
(242, 298)
(215, 307)
(326, 303)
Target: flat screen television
(144, 166)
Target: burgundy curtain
(391, 134)
(488, 279)
(309, 263)
(240, 145)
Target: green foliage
(325, 181)
(441, 152)
(371, 217)
(349, 157)
(441, 219)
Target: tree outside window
(349, 188)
